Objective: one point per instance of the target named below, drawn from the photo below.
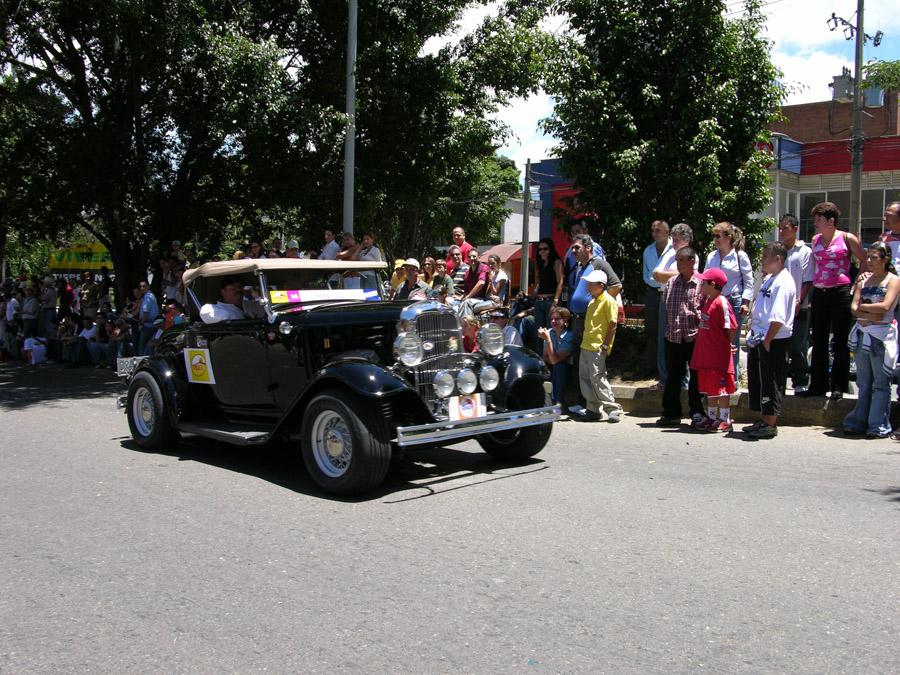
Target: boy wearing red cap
(712, 358)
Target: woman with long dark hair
(548, 282)
(873, 340)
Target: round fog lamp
(408, 348)
(466, 381)
(285, 328)
(490, 378)
(443, 384)
(490, 340)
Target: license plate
(467, 407)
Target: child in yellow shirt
(599, 333)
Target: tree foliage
(659, 110)
(882, 74)
(204, 120)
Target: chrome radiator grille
(441, 329)
(424, 373)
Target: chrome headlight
(285, 328)
(490, 378)
(408, 348)
(490, 339)
(443, 384)
(466, 381)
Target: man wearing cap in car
(600, 321)
(500, 316)
(293, 249)
(413, 288)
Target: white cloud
(808, 75)
(523, 114)
(470, 20)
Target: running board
(227, 433)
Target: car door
(237, 362)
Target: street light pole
(856, 160)
(350, 139)
(526, 196)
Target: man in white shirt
(771, 327)
(229, 307)
(75, 348)
(331, 249)
(652, 256)
(800, 265)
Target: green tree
(660, 108)
(882, 74)
(197, 119)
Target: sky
(804, 49)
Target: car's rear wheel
(148, 418)
(344, 447)
(517, 444)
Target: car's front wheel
(517, 444)
(148, 419)
(343, 446)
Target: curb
(815, 411)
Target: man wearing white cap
(599, 332)
(413, 288)
(293, 249)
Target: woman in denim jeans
(873, 340)
(559, 342)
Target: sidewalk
(641, 400)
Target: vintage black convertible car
(324, 361)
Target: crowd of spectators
(569, 309)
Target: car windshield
(295, 289)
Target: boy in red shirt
(712, 358)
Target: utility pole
(350, 139)
(856, 147)
(856, 143)
(526, 196)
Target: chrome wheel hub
(143, 412)
(332, 444)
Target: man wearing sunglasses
(579, 295)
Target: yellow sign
(81, 257)
(199, 366)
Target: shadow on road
(892, 492)
(22, 386)
(422, 473)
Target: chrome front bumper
(438, 432)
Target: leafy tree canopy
(882, 74)
(203, 120)
(659, 110)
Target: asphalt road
(621, 548)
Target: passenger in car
(413, 288)
(229, 307)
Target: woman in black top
(548, 282)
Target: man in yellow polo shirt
(599, 332)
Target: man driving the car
(230, 305)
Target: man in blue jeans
(147, 314)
